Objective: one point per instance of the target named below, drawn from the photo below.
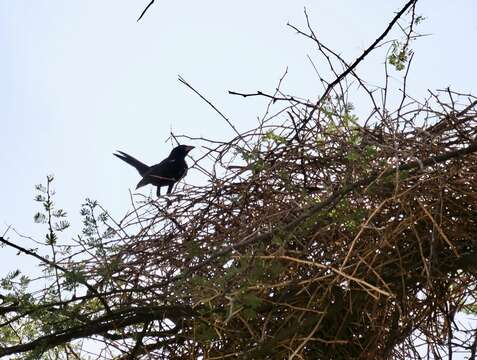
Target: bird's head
(181, 151)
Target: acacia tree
(320, 235)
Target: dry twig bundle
(333, 240)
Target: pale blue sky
(81, 78)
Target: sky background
(81, 78)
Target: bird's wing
(165, 170)
(169, 169)
(140, 166)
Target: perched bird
(166, 173)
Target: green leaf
(251, 301)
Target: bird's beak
(189, 148)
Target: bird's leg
(169, 189)
(158, 191)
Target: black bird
(166, 173)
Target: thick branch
(112, 321)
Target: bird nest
(318, 237)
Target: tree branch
(145, 10)
(366, 52)
(111, 321)
(56, 266)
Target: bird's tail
(141, 167)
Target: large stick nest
(329, 240)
